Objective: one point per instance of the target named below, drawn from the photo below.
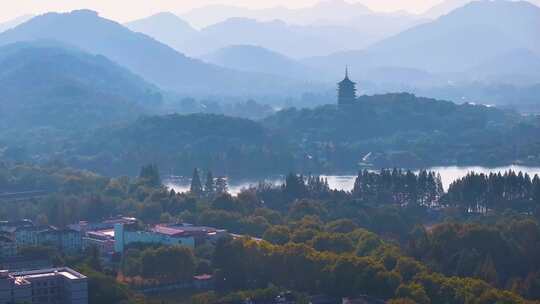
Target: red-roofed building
(177, 234)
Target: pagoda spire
(346, 90)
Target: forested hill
(395, 130)
(405, 130)
(50, 91)
(179, 143)
(386, 115)
(45, 84)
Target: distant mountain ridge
(4, 26)
(326, 27)
(257, 59)
(334, 11)
(446, 6)
(519, 66)
(455, 42)
(154, 61)
(165, 27)
(45, 85)
(275, 35)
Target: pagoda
(346, 90)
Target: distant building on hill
(101, 234)
(24, 263)
(8, 248)
(54, 285)
(66, 240)
(172, 234)
(346, 90)
(12, 226)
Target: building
(12, 226)
(101, 234)
(203, 281)
(13, 289)
(163, 235)
(346, 90)
(84, 226)
(8, 248)
(23, 263)
(103, 240)
(45, 286)
(201, 234)
(177, 234)
(66, 240)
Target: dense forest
(397, 235)
(393, 130)
(407, 131)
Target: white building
(175, 234)
(45, 286)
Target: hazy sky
(126, 10)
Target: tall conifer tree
(196, 185)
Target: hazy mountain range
(275, 35)
(482, 44)
(4, 26)
(47, 85)
(470, 36)
(457, 42)
(447, 6)
(326, 12)
(143, 55)
(324, 28)
(257, 59)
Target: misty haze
(270, 152)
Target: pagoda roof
(347, 81)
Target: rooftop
(6, 239)
(101, 234)
(36, 228)
(65, 272)
(203, 277)
(105, 224)
(183, 230)
(170, 231)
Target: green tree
(414, 292)
(341, 226)
(225, 202)
(196, 185)
(221, 186)
(401, 301)
(168, 264)
(94, 258)
(295, 187)
(103, 289)
(277, 235)
(487, 271)
(209, 185)
(150, 175)
(334, 242)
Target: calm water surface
(346, 182)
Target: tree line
(478, 192)
(389, 214)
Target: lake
(346, 182)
